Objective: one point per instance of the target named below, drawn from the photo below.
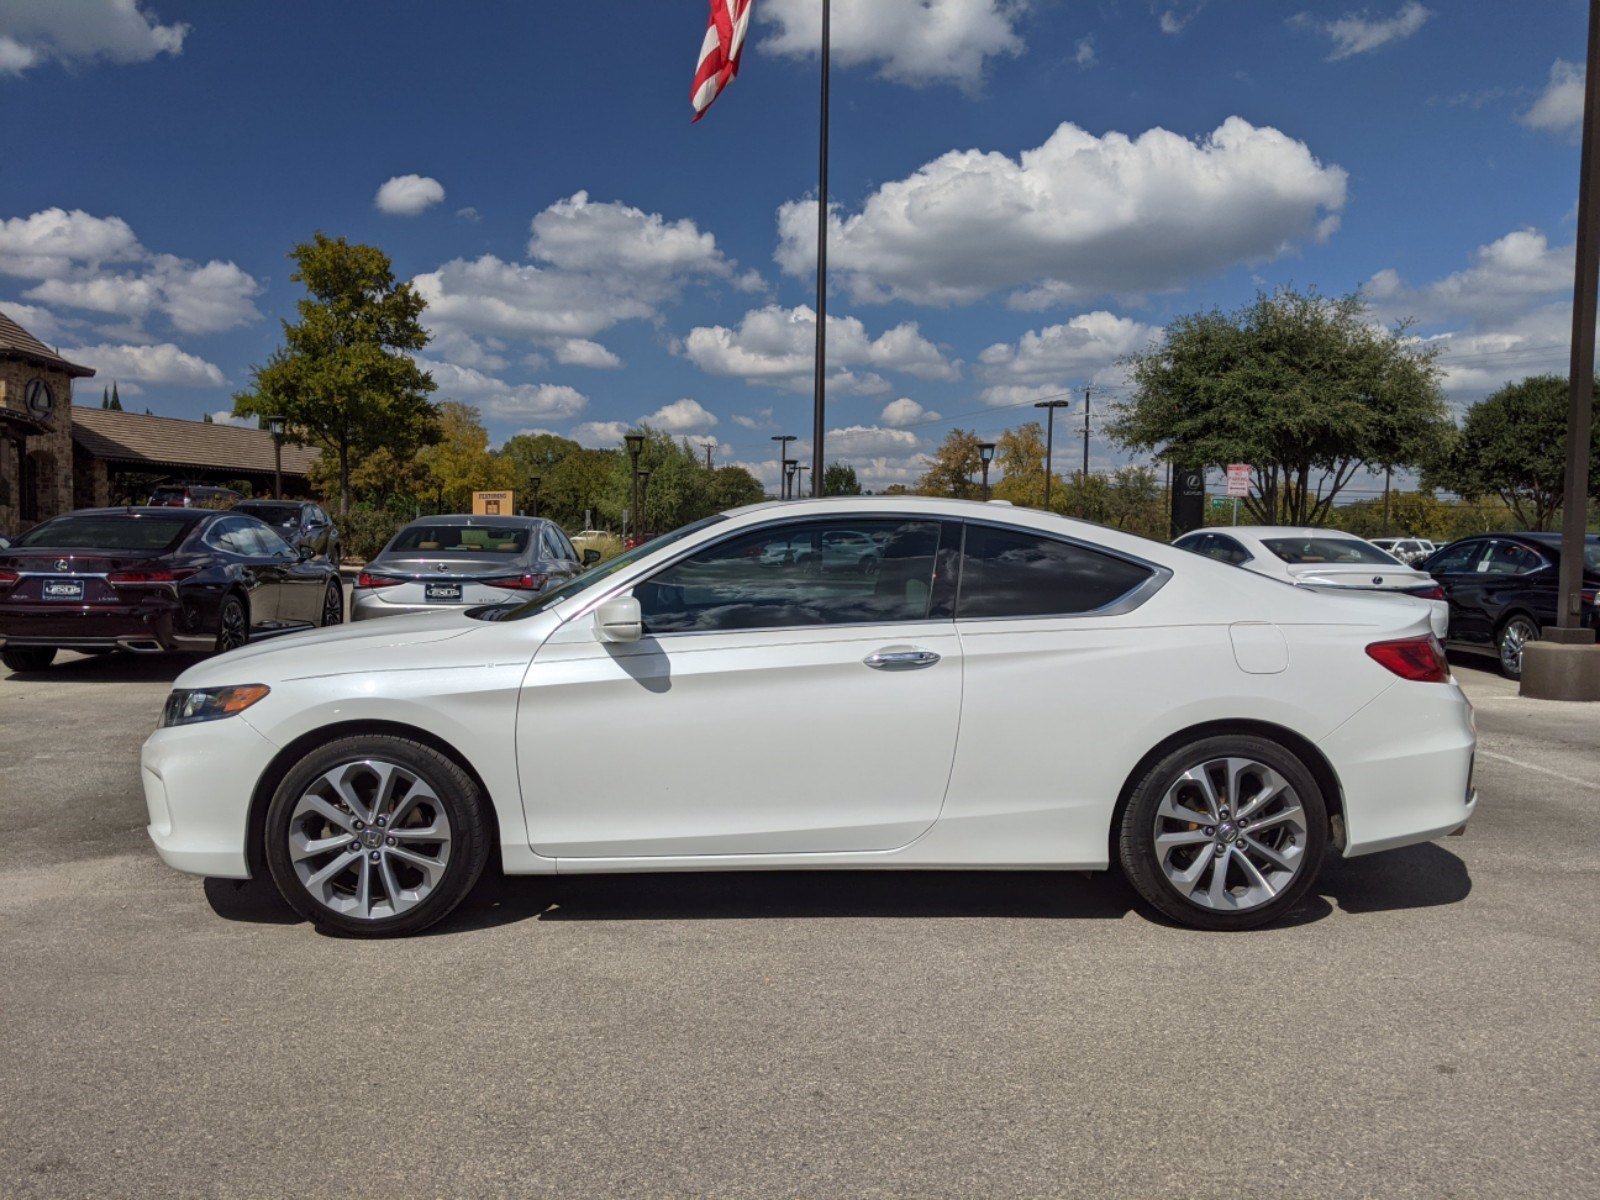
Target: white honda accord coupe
(1006, 690)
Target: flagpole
(818, 403)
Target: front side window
(799, 574)
(1455, 559)
(1014, 573)
(234, 536)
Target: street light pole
(1087, 392)
(799, 483)
(275, 426)
(783, 440)
(644, 496)
(1050, 407)
(789, 465)
(986, 456)
(635, 443)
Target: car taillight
(1427, 593)
(368, 580)
(147, 576)
(1417, 659)
(8, 578)
(521, 583)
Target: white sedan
(1320, 558)
(1008, 690)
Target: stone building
(35, 428)
(54, 458)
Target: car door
(1459, 571)
(235, 538)
(1517, 578)
(1051, 634)
(300, 582)
(771, 706)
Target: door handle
(908, 659)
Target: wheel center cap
(1227, 833)
(371, 838)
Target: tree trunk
(344, 480)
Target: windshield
(509, 540)
(284, 516)
(589, 578)
(1306, 551)
(131, 532)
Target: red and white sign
(1238, 479)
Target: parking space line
(1528, 766)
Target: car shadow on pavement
(116, 667)
(1418, 877)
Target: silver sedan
(462, 562)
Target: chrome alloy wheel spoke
(1245, 849)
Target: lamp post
(275, 425)
(644, 496)
(799, 483)
(635, 443)
(1050, 407)
(533, 483)
(986, 455)
(789, 465)
(783, 440)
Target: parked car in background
(1213, 733)
(1502, 591)
(462, 562)
(602, 541)
(1321, 558)
(1410, 551)
(298, 522)
(829, 550)
(194, 495)
(151, 579)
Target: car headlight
(189, 706)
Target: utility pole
(708, 455)
(1388, 477)
(819, 384)
(783, 440)
(800, 484)
(1050, 407)
(1087, 392)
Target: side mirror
(590, 557)
(305, 552)
(619, 619)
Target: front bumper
(1404, 764)
(198, 783)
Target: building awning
(168, 443)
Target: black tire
(28, 658)
(332, 605)
(1510, 657)
(233, 624)
(1142, 863)
(462, 804)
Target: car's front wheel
(28, 658)
(1224, 833)
(333, 605)
(376, 836)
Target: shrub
(365, 530)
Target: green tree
(116, 399)
(838, 479)
(576, 486)
(105, 397)
(954, 468)
(1513, 446)
(1306, 389)
(459, 462)
(1019, 454)
(344, 379)
(733, 487)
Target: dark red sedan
(153, 579)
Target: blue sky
(593, 258)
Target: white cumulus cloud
(1082, 214)
(581, 352)
(75, 32)
(408, 195)
(163, 363)
(916, 42)
(503, 400)
(905, 411)
(599, 435)
(1559, 108)
(1082, 348)
(682, 416)
(1361, 33)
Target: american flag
(719, 53)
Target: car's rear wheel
(1224, 833)
(333, 604)
(28, 658)
(376, 836)
(1512, 640)
(233, 626)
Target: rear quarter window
(1013, 573)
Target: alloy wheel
(333, 605)
(1514, 638)
(1230, 834)
(369, 840)
(231, 631)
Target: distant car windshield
(589, 578)
(1304, 551)
(509, 540)
(131, 531)
(283, 516)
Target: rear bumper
(368, 605)
(97, 627)
(198, 783)
(1404, 763)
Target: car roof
(469, 519)
(267, 500)
(194, 515)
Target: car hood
(391, 644)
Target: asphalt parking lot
(1425, 1024)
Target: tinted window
(285, 516)
(1456, 558)
(1228, 550)
(1010, 573)
(130, 532)
(1299, 551)
(797, 574)
(1508, 558)
(235, 537)
(461, 539)
(269, 544)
